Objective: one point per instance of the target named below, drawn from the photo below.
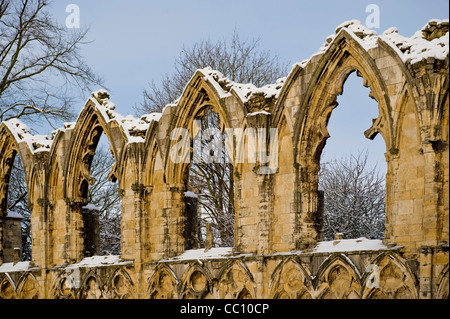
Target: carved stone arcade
(275, 252)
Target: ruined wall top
(431, 42)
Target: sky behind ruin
(136, 41)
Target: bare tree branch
(241, 61)
(41, 67)
(354, 198)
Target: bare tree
(41, 73)
(40, 63)
(354, 198)
(239, 60)
(104, 195)
(17, 203)
(211, 177)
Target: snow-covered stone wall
(277, 250)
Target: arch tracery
(412, 93)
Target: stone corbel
(76, 202)
(138, 189)
(375, 128)
(112, 176)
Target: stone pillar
(91, 230)
(264, 212)
(174, 220)
(247, 224)
(40, 233)
(74, 236)
(191, 222)
(306, 205)
(12, 237)
(319, 217)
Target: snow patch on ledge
(413, 49)
(346, 245)
(13, 214)
(257, 113)
(91, 206)
(364, 36)
(190, 194)
(22, 133)
(418, 47)
(343, 245)
(198, 254)
(98, 261)
(11, 267)
(134, 129)
(225, 86)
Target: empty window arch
(353, 169)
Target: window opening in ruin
(352, 170)
(102, 214)
(210, 185)
(17, 223)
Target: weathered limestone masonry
(277, 251)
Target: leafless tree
(41, 73)
(17, 203)
(211, 177)
(241, 61)
(40, 63)
(104, 194)
(354, 198)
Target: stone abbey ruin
(277, 251)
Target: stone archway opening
(209, 184)
(16, 243)
(352, 174)
(102, 214)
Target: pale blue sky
(136, 41)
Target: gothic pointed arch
(16, 142)
(92, 287)
(291, 280)
(395, 279)
(90, 125)
(344, 56)
(443, 284)
(120, 285)
(7, 287)
(162, 284)
(325, 75)
(65, 285)
(28, 287)
(13, 134)
(97, 117)
(202, 92)
(235, 281)
(196, 283)
(337, 278)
